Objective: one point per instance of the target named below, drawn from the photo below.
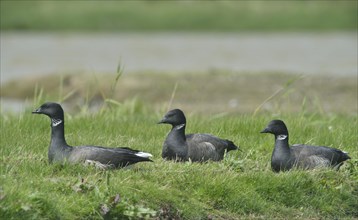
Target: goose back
(309, 157)
(203, 147)
(117, 157)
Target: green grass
(318, 111)
(179, 15)
(241, 186)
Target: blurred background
(202, 56)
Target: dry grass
(212, 92)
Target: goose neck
(281, 143)
(58, 132)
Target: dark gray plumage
(60, 151)
(196, 147)
(300, 155)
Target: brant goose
(59, 151)
(285, 157)
(194, 147)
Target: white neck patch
(281, 137)
(56, 122)
(178, 127)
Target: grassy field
(122, 110)
(179, 15)
(240, 187)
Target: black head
(174, 117)
(51, 109)
(276, 127)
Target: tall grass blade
(285, 87)
(120, 70)
(172, 96)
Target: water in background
(48, 53)
(24, 54)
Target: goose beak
(266, 130)
(163, 121)
(37, 111)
